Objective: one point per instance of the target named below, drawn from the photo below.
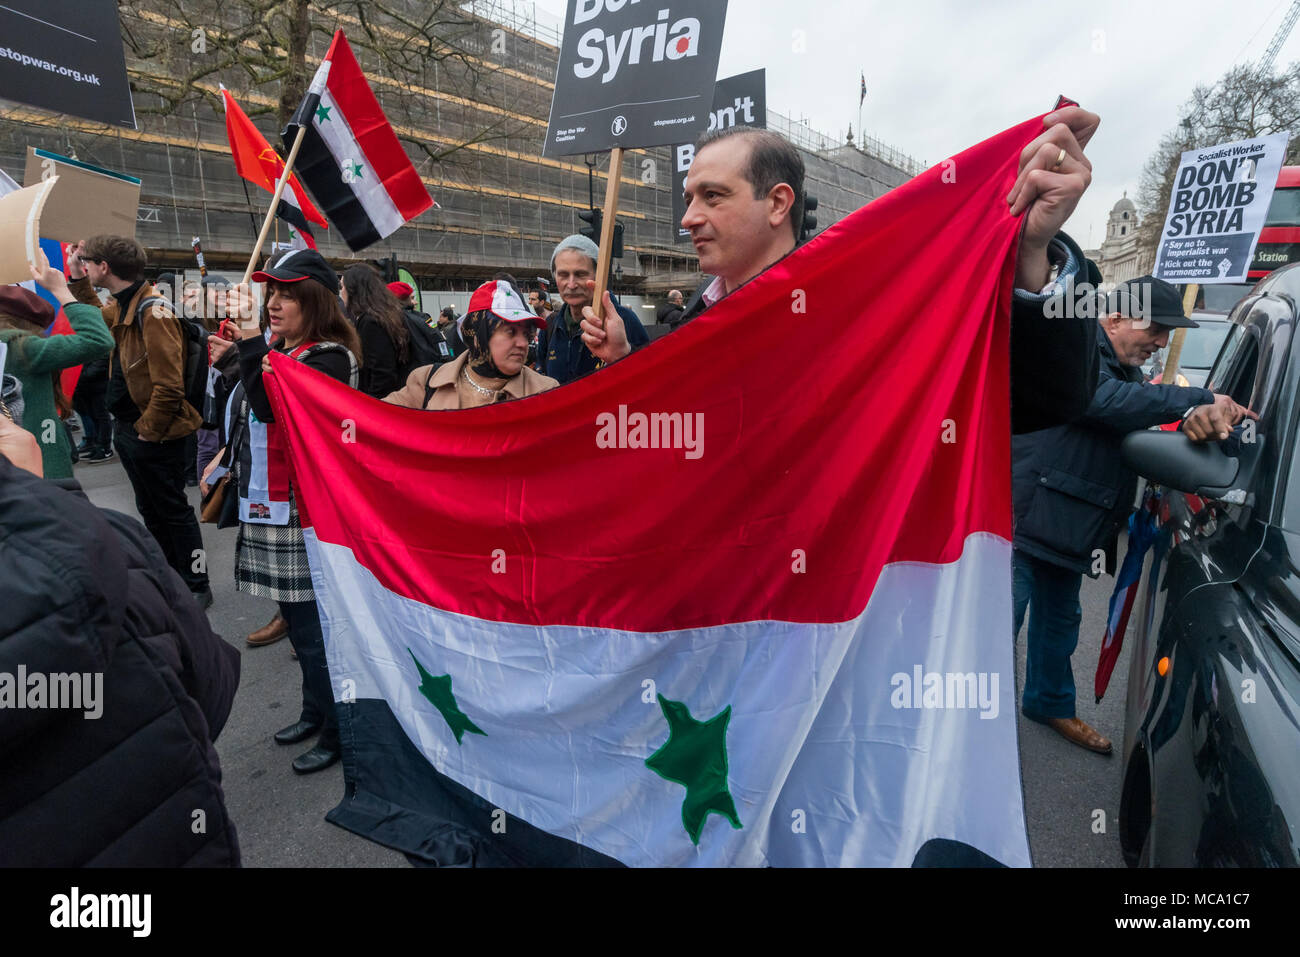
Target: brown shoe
(1072, 729)
(270, 633)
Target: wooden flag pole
(275, 203)
(1170, 376)
(607, 229)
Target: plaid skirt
(271, 560)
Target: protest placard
(88, 201)
(66, 56)
(20, 230)
(1220, 198)
(634, 74)
(737, 101)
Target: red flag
(258, 163)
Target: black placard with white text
(66, 56)
(737, 101)
(634, 73)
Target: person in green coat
(36, 360)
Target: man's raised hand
(71, 256)
(1048, 187)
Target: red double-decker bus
(1279, 240)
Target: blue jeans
(1051, 593)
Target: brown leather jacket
(152, 353)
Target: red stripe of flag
(807, 479)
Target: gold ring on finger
(1059, 159)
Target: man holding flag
(745, 208)
(516, 695)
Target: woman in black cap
(498, 329)
(307, 324)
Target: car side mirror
(1172, 459)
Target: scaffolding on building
(474, 126)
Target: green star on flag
(438, 691)
(323, 113)
(695, 756)
(354, 168)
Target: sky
(945, 74)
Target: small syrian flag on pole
(300, 236)
(258, 163)
(863, 95)
(350, 159)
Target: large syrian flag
(350, 158)
(717, 604)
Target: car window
(1241, 371)
(1290, 519)
(1237, 357)
(1201, 345)
(1222, 297)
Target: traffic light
(809, 220)
(595, 219)
(387, 267)
(592, 217)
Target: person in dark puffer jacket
(87, 591)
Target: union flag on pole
(258, 163)
(350, 158)
(717, 604)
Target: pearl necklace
(474, 385)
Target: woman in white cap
(497, 328)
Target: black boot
(317, 759)
(298, 731)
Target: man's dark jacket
(567, 356)
(451, 332)
(88, 590)
(1072, 491)
(669, 314)
(1053, 361)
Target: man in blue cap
(1072, 491)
